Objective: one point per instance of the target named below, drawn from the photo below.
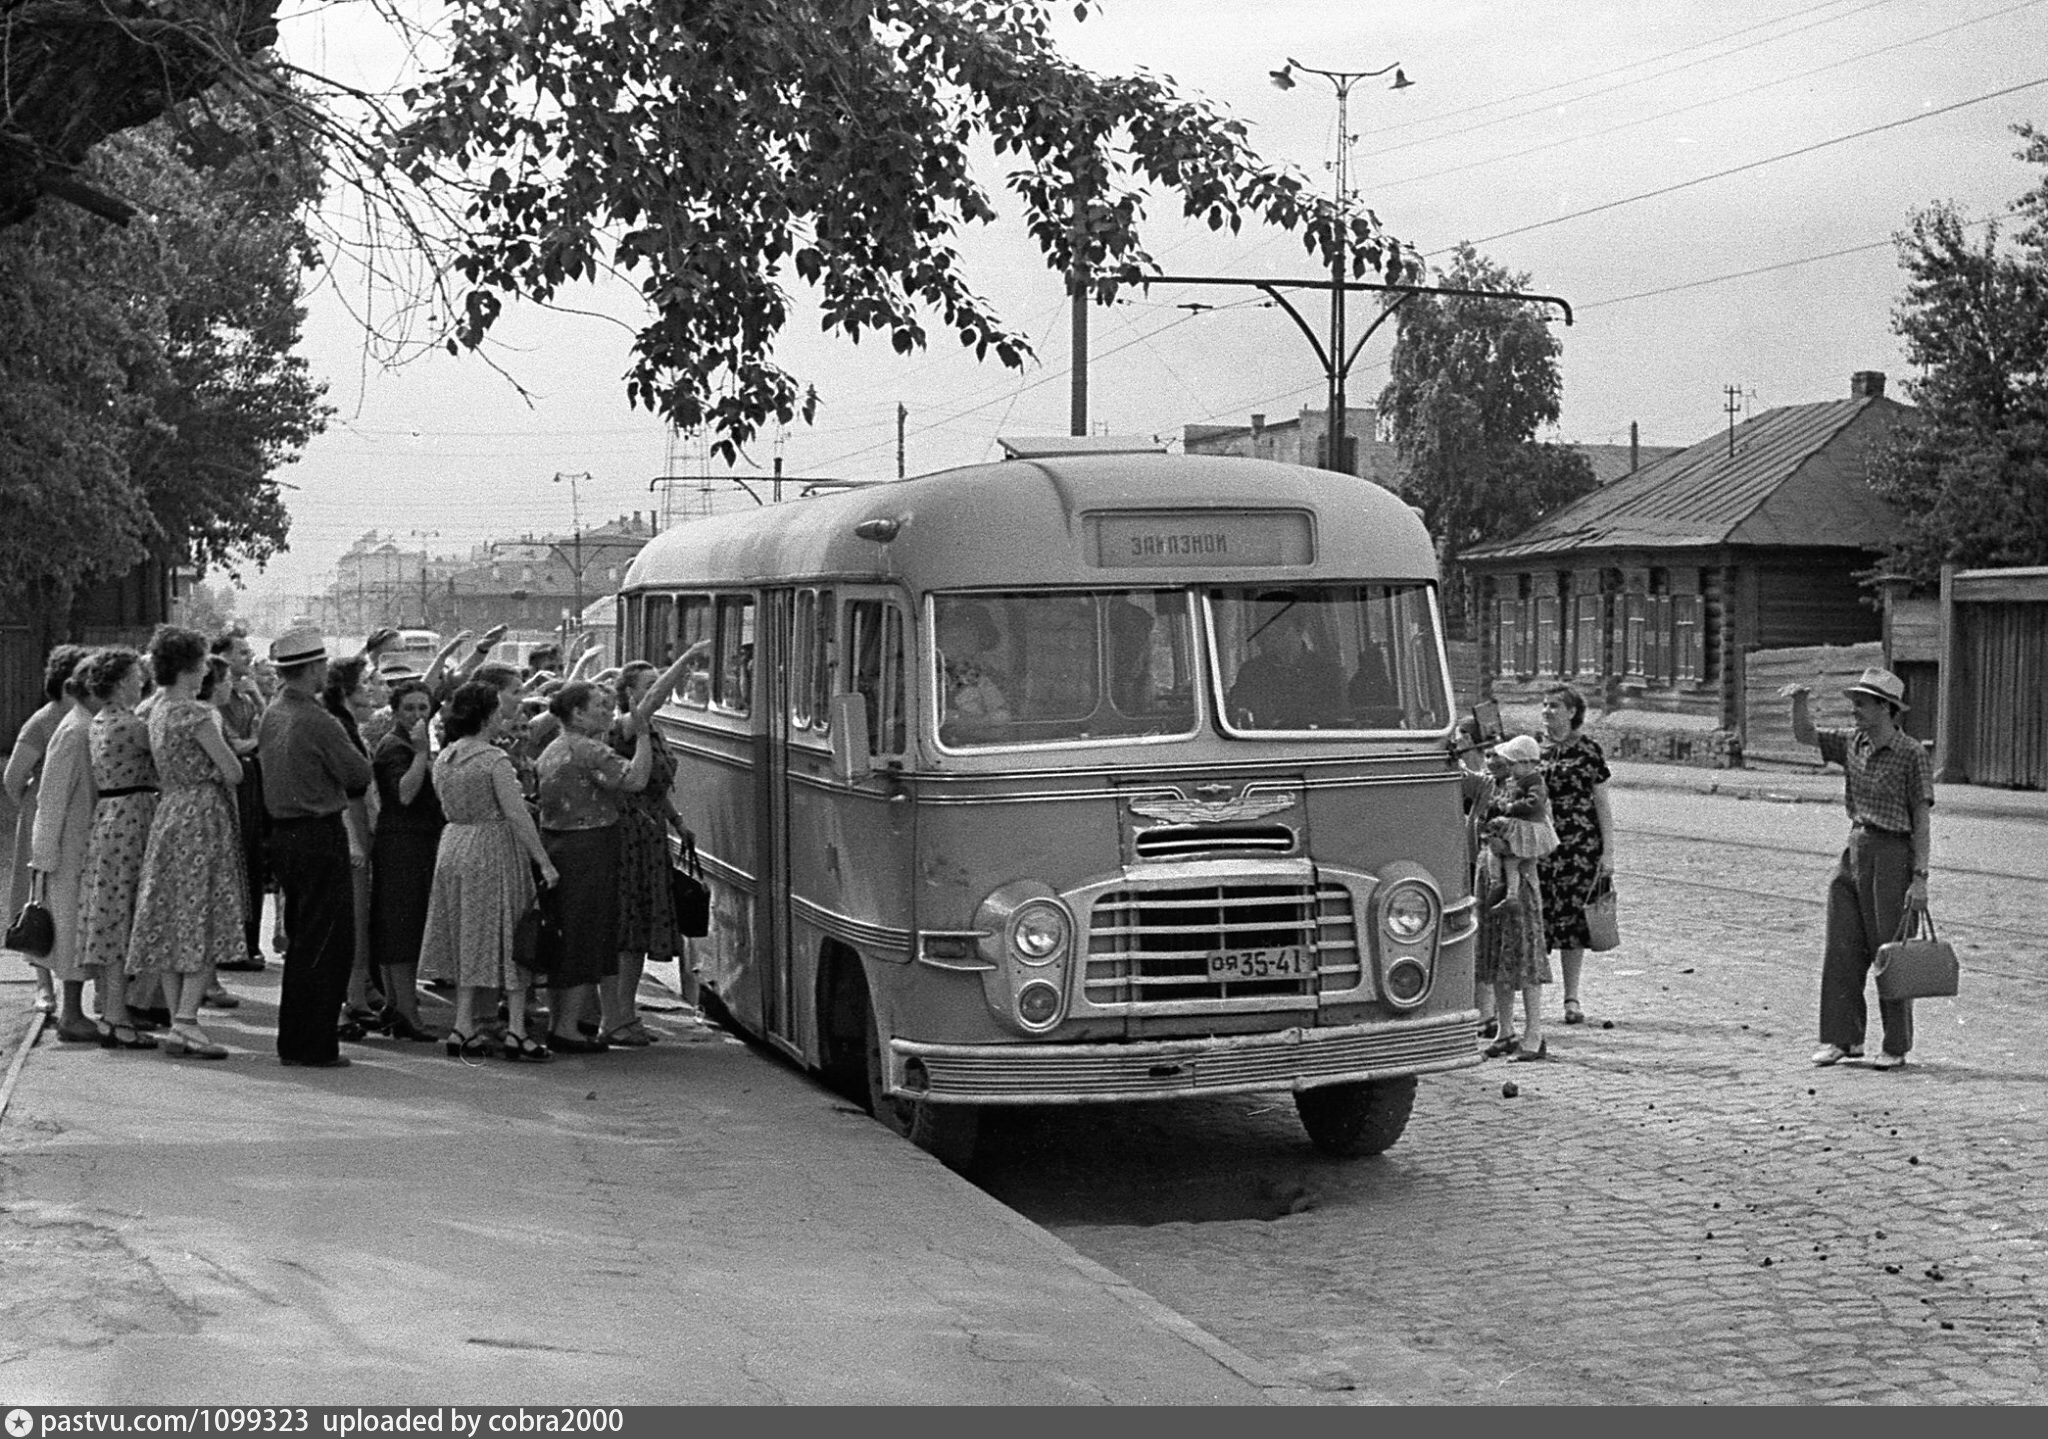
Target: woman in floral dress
(647, 912)
(483, 875)
(124, 774)
(190, 905)
(1575, 772)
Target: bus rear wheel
(947, 1132)
(1356, 1121)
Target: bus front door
(771, 768)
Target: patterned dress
(1572, 769)
(647, 911)
(124, 771)
(190, 905)
(483, 881)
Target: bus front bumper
(1300, 1058)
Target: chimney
(1635, 447)
(1867, 385)
(1258, 424)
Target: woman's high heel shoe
(190, 1042)
(466, 1046)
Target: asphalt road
(1678, 1208)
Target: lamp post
(1342, 80)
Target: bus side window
(656, 634)
(803, 626)
(693, 634)
(824, 662)
(732, 684)
(875, 630)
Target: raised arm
(432, 678)
(1802, 718)
(659, 691)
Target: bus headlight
(1039, 932)
(1408, 914)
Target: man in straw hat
(1882, 879)
(310, 773)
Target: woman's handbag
(33, 932)
(691, 895)
(1603, 925)
(1911, 967)
(536, 937)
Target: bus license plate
(1286, 962)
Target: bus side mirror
(851, 759)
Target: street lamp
(1342, 80)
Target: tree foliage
(148, 393)
(717, 150)
(1472, 381)
(1970, 481)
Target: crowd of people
(497, 833)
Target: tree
(1471, 381)
(717, 150)
(1970, 481)
(148, 393)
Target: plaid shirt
(1882, 785)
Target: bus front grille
(1221, 942)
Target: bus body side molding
(850, 757)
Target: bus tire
(947, 1132)
(1356, 1121)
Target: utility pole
(1078, 281)
(576, 532)
(902, 414)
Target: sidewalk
(1816, 787)
(691, 1223)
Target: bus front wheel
(947, 1132)
(1356, 1121)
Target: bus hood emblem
(1181, 810)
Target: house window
(1586, 622)
(1685, 638)
(1659, 637)
(1507, 626)
(1548, 661)
(1634, 610)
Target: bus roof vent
(1052, 447)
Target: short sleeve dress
(190, 903)
(483, 882)
(1572, 769)
(647, 910)
(124, 771)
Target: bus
(1075, 780)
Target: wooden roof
(1795, 480)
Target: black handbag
(537, 936)
(691, 895)
(33, 932)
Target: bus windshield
(1052, 668)
(1327, 657)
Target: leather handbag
(537, 936)
(691, 894)
(1917, 964)
(1603, 924)
(33, 932)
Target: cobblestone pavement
(1677, 1209)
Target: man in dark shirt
(310, 773)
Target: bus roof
(1026, 522)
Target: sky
(1713, 186)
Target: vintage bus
(1057, 781)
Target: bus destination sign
(1217, 538)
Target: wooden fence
(1826, 670)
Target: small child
(1518, 828)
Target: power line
(1702, 104)
(1753, 164)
